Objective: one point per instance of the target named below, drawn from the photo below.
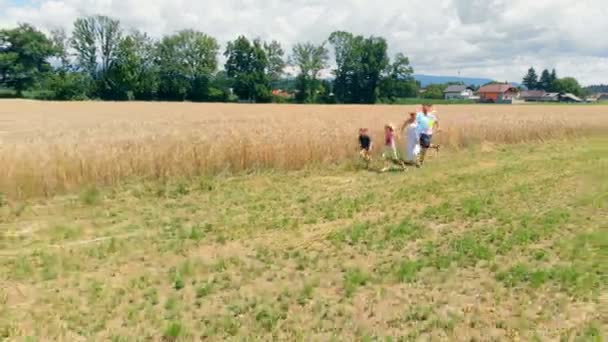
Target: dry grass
(48, 148)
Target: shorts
(425, 140)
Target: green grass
(499, 245)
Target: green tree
(552, 80)
(276, 64)
(398, 81)
(24, 54)
(219, 88)
(66, 83)
(545, 81)
(568, 85)
(186, 61)
(134, 73)
(434, 91)
(310, 59)
(247, 66)
(359, 65)
(531, 79)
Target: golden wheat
(47, 147)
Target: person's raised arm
(403, 125)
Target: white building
(457, 92)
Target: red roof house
(498, 93)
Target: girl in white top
(412, 139)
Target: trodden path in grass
(501, 243)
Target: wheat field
(52, 147)
(157, 225)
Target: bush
(281, 99)
(218, 95)
(41, 95)
(69, 86)
(7, 93)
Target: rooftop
(496, 88)
(455, 89)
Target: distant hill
(425, 80)
(289, 82)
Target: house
(602, 97)
(568, 97)
(498, 93)
(459, 92)
(538, 96)
(533, 95)
(591, 98)
(281, 93)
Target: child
(390, 147)
(427, 124)
(365, 145)
(412, 138)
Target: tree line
(598, 88)
(549, 82)
(101, 59)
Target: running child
(427, 124)
(365, 145)
(390, 148)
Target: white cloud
(486, 38)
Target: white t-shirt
(412, 141)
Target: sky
(497, 39)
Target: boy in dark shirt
(365, 145)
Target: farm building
(533, 95)
(592, 98)
(457, 92)
(498, 93)
(550, 97)
(567, 97)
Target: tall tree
(276, 64)
(186, 62)
(398, 81)
(66, 83)
(247, 67)
(545, 81)
(345, 75)
(531, 79)
(134, 75)
(552, 79)
(95, 40)
(24, 54)
(359, 64)
(310, 59)
(61, 43)
(373, 62)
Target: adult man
(427, 124)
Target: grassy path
(488, 244)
